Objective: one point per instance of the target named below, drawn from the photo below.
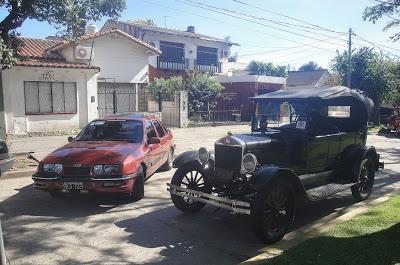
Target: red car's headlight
(106, 169)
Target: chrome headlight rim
(106, 169)
(204, 155)
(251, 158)
(53, 168)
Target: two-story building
(180, 50)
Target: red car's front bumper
(122, 184)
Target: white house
(181, 50)
(60, 85)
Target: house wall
(119, 59)
(17, 122)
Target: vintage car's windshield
(112, 130)
(274, 114)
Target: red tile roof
(37, 48)
(55, 64)
(34, 53)
(107, 32)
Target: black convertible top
(337, 94)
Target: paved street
(94, 230)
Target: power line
(272, 35)
(286, 16)
(201, 5)
(274, 51)
(376, 45)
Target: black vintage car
(308, 142)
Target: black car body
(308, 142)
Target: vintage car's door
(316, 151)
(153, 149)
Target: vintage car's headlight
(106, 169)
(204, 155)
(54, 168)
(249, 162)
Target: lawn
(371, 238)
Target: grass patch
(371, 238)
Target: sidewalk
(185, 139)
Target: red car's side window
(159, 128)
(150, 131)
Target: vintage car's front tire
(274, 211)
(191, 175)
(365, 180)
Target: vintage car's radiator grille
(228, 157)
(76, 171)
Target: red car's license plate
(73, 185)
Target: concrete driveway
(105, 230)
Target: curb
(18, 173)
(315, 229)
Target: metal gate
(116, 98)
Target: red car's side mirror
(154, 140)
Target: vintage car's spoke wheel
(365, 181)
(273, 211)
(189, 176)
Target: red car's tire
(138, 189)
(168, 164)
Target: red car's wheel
(138, 189)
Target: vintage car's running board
(233, 205)
(325, 191)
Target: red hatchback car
(112, 155)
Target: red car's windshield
(112, 130)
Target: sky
(262, 40)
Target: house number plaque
(48, 75)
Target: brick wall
(244, 91)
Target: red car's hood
(90, 153)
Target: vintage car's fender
(186, 157)
(354, 155)
(263, 177)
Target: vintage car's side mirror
(154, 140)
(70, 138)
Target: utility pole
(349, 60)
(165, 21)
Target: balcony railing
(172, 65)
(208, 68)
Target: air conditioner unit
(82, 52)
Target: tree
(67, 16)
(388, 9)
(310, 66)
(203, 92)
(269, 69)
(164, 89)
(370, 73)
(233, 58)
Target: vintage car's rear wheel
(138, 189)
(365, 180)
(273, 211)
(190, 176)
(168, 164)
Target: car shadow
(218, 237)
(67, 205)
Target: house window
(172, 52)
(207, 55)
(50, 97)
